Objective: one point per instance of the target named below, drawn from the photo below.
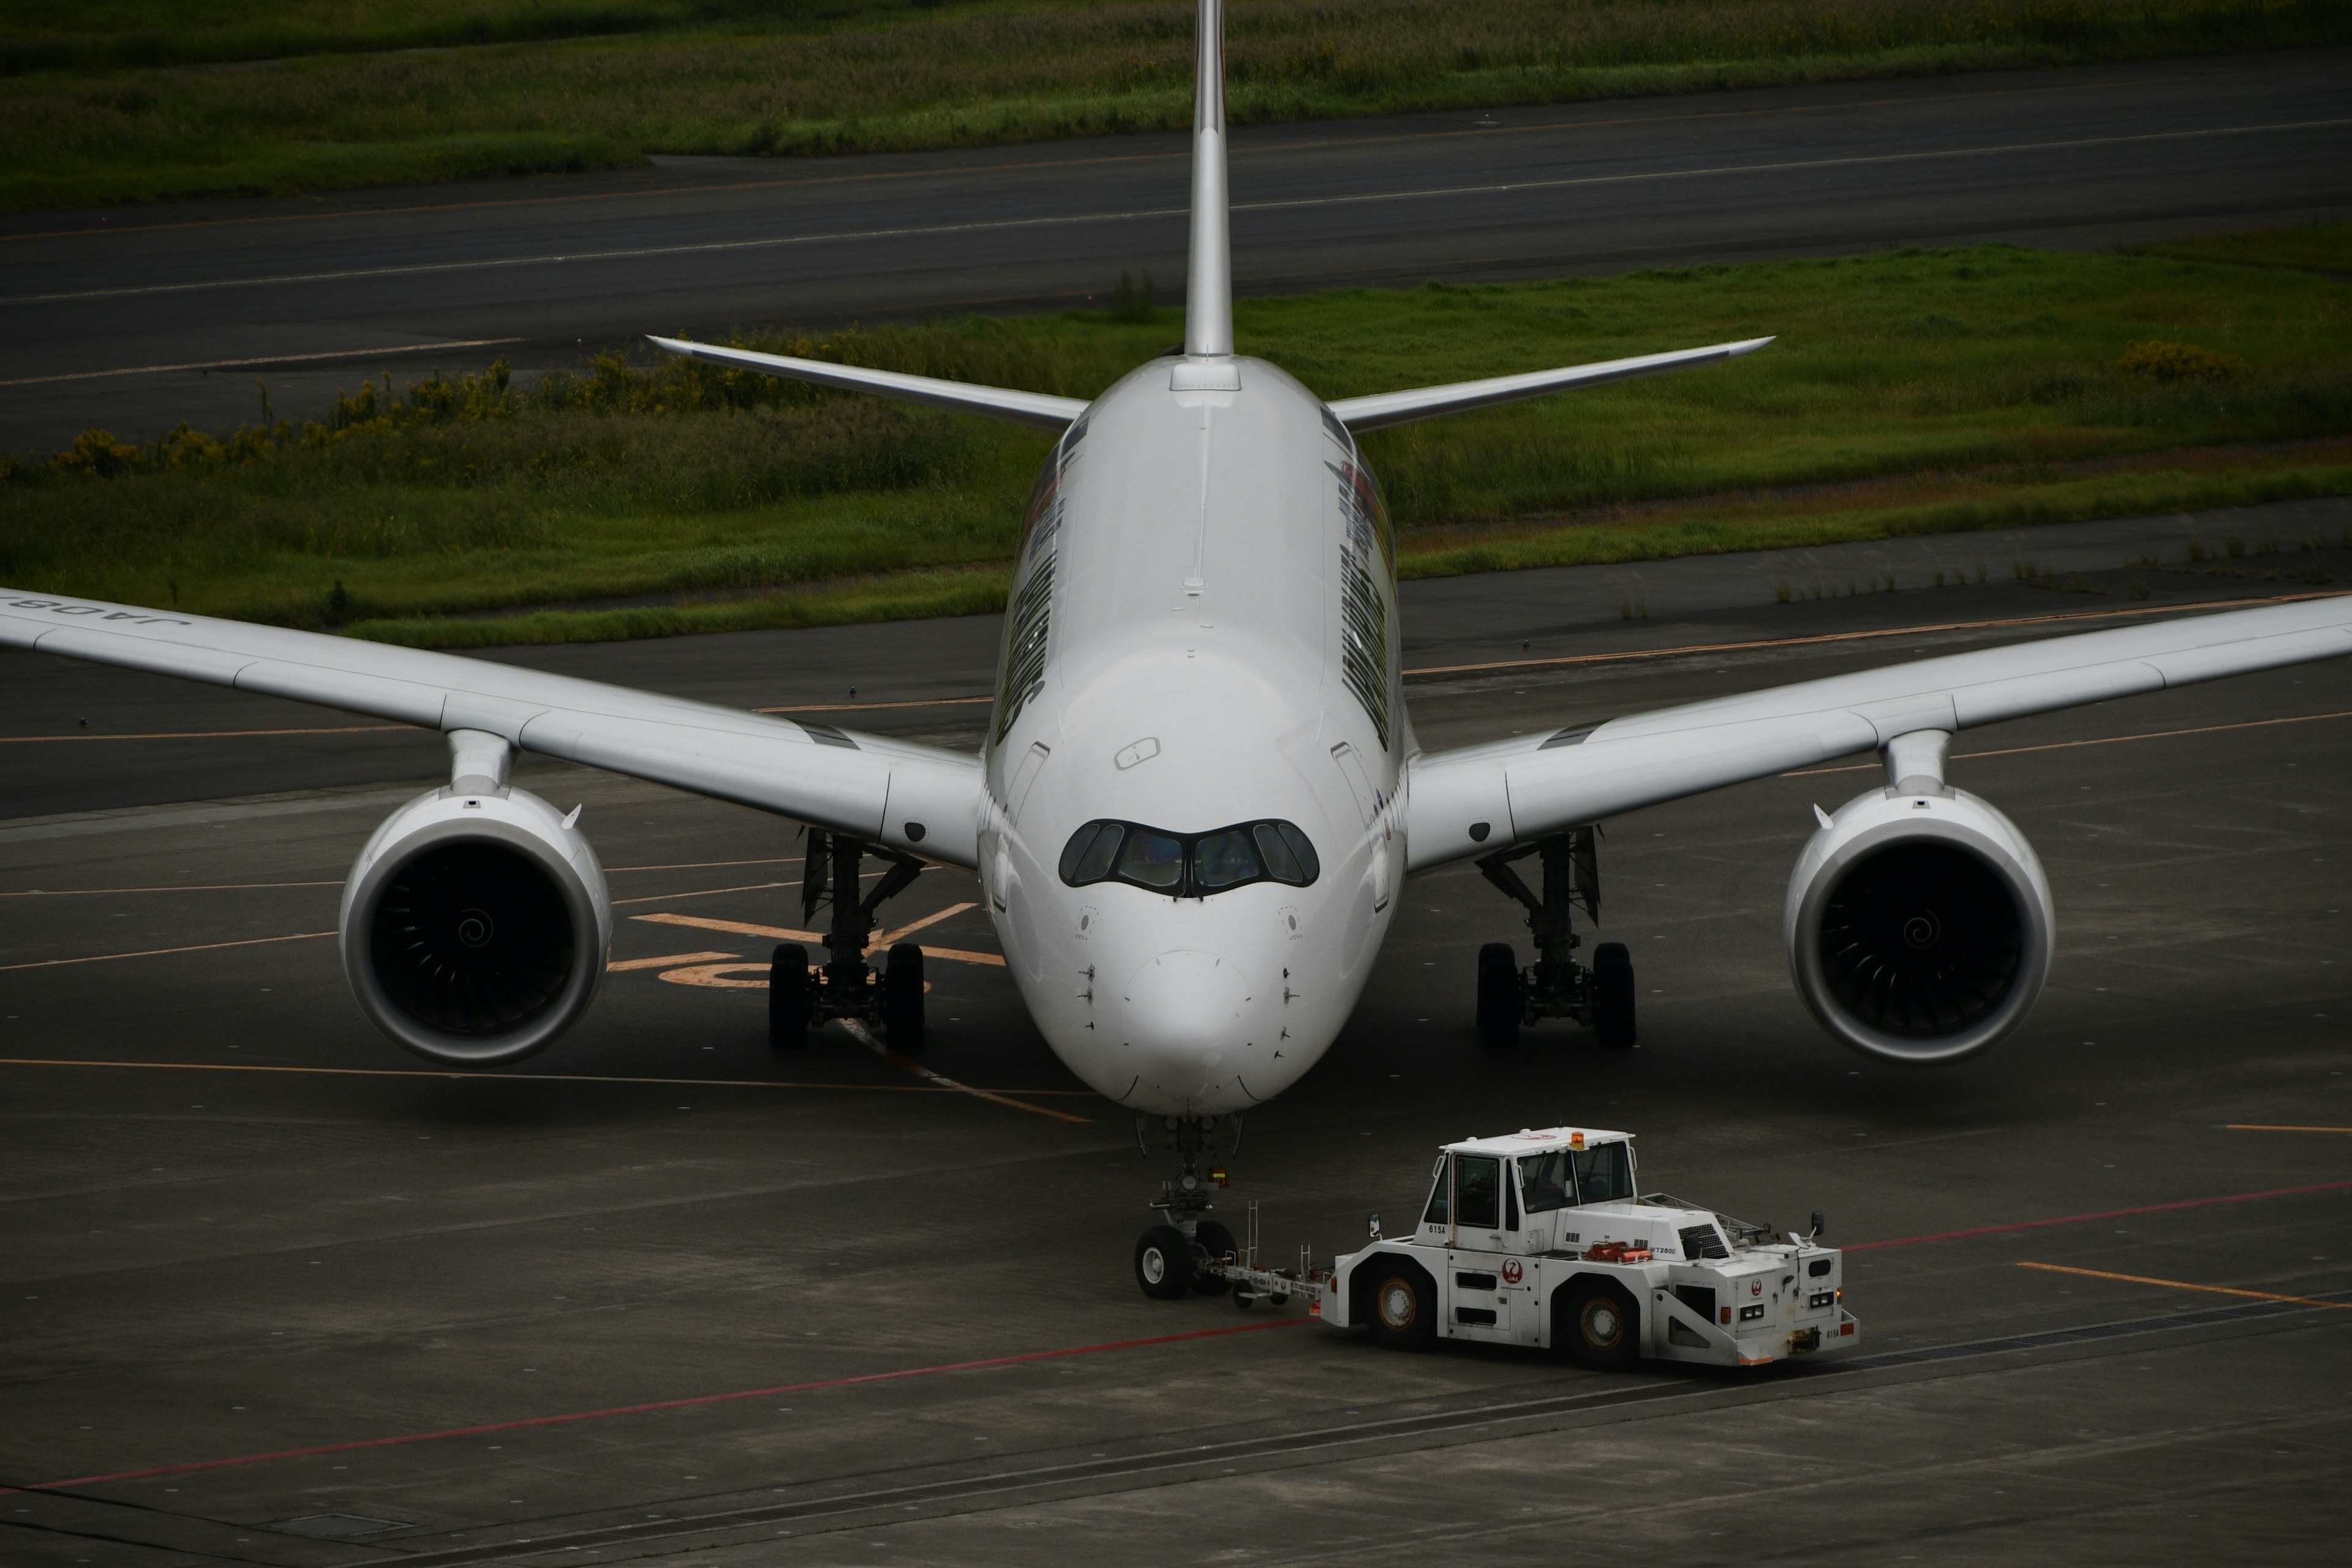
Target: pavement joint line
(623, 966)
(161, 952)
(706, 892)
(210, 734)
(1820, 637)
(859, 707)
(652, 1406)
(471, 1074)
(2105, 1213)
(1017, 167)
(856, 1030)
(2185, 1285)
(1634, 1401)
(2096, 741)
(2264, 1127)
(183, 887)
(264, 359)
(1075, 220)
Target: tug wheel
(1213, 1241)
(1599, 1327)
(791, 996)
(1403, 1307)
(1502, 1004)
(1163, 1262)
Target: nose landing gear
(1175, 1257)
(846, 986)
(1556, 985)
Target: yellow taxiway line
(2185, 1285)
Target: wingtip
(1750, 345)
(675, 345)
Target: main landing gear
(846, 986)
(1172, 1258)
(1556, 985)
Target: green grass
(1908, 392)
(139, 99)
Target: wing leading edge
(961, 396)
(1524, 788)
(918, 798)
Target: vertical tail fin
(1209, 281)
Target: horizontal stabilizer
(989, 402)
(1361, 413)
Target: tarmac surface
(134, 319)
(274, 1292)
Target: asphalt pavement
(274, 1292)
(134, 319)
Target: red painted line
(688, 1403)
(2109, 1214)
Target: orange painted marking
(913, 926)
(733, 928)
(865, 1037)
(2185, 1285)
(621, 966)
(720, 975)
(705, 892)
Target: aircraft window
(1475, 1178)
(1226, 860)
(1288, 856)
(1190, 865)
(1090, 853)
(1545, 1182)
(1153, 859)
(1603, 1175)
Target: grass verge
(1911, 391)
(141, 99)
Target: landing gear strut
(1556, 985)
(1171, 1258)
(846, 986)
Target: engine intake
(475, 925)
(1919, 924)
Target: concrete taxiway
(135, 320)
(275, 1293)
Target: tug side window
(1436, 1211)
(1603, 1174)
(1545, 1182)
(1477, 1182)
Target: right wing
(1479, 799)
(962, 397)
(918, 798)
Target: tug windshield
(1189, 865)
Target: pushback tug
(1540, 1238)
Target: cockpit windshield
(1189, 865)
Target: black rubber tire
(902, 997)
(1163, 1263)
(1213, 1241)
(791, 996)
(1401, 1307)
(1599, 1327)
(1502, 1001)
(1612, 996)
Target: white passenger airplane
(1199, 790)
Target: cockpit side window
(1189, 865)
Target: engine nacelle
(1919, 925)
(475, 926)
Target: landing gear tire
(902, 997)
(1213, 1241)
(1163, 1263)
(1500, 1004)
(791, 993)
(1599, 1328)
(1403, 1303)
(1612, 995)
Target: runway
(275, 1292)
(135, 320)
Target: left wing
(921, 799)
(1038, 408)
(1483, 798)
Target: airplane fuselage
(1200, 669)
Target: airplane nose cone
(1184, 1021)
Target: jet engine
(1919, 922)
(475, 922)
